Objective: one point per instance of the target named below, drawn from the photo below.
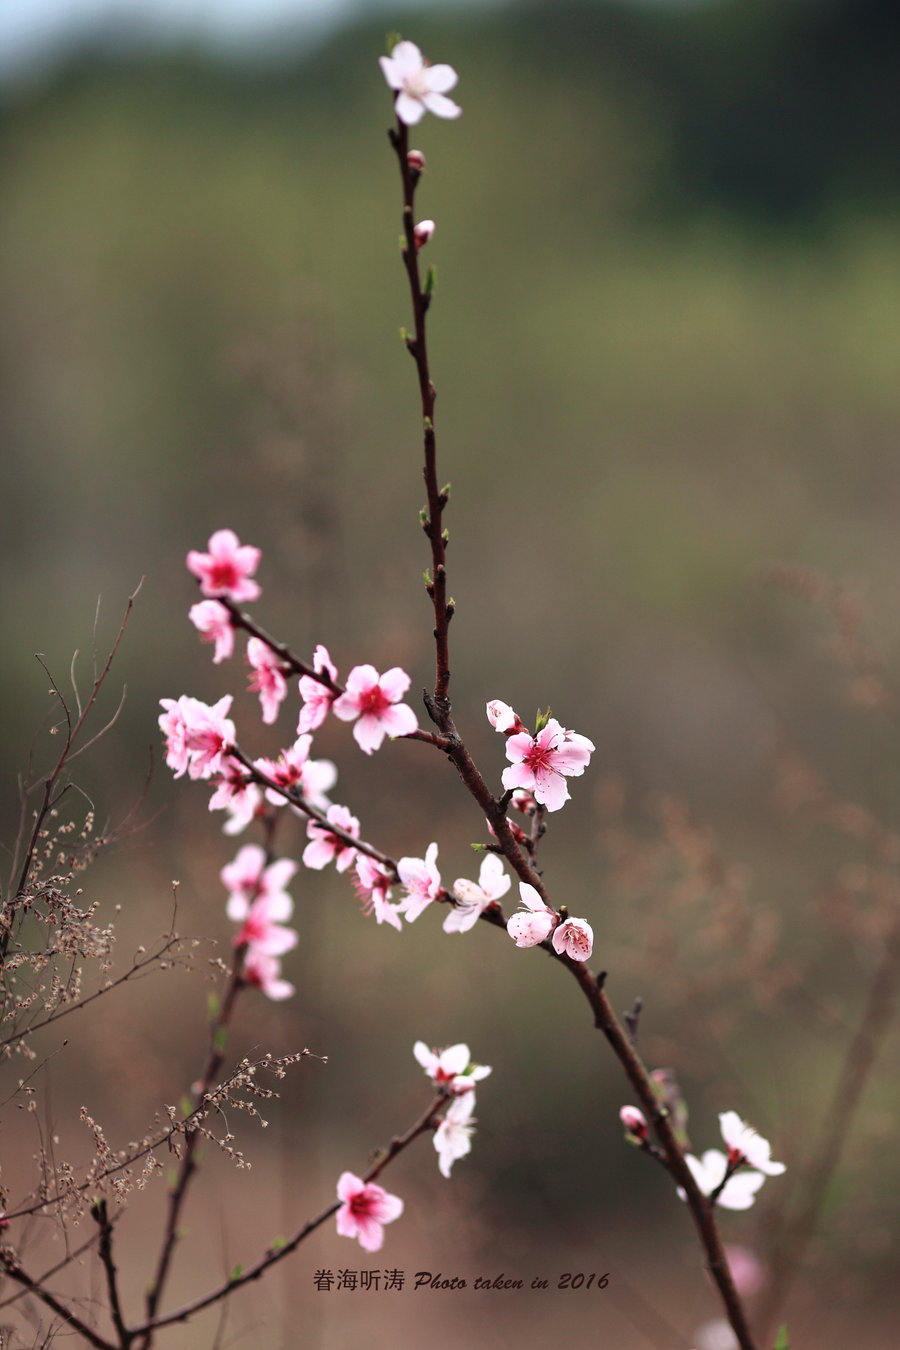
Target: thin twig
(791, 1243)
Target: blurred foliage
(666, 352)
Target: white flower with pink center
(574, 938)
(373, 886)
(453, 1137)
(709, 1172)
(364, 1211)
(422, 882)
(420, 87)
(294, 771)
(372, 701)
(534, 924)
(317, 697)
(451, 1068)
(198, 736)
(325, 845)
(472, 900)
(745, 1145)
(264, 972)
(213, 623)
(267, 678)
(227, 568)
(542, 763)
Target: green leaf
(431, 281)
(392, 39)
(782, 1343)
(541, 721)
(237, 1273)
(221, 1037)
(186, 1107)
(212, 1006)
(278, 1244)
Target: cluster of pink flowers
(258, 901)
(533, 924)
(540, 764)
(371, 701)
(198, 737)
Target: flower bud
(635, 1123)
(416, 161)
(423, 232)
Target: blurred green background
(666, 346)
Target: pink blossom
(472, 900)
(450, 1068)
(248, 877)
(542, 763)
(365, 1211)
(574, 938)
(227, 567)
(375, 700)
(421, 87)
(295, 771)
(709, 1172)
(317, 697)
(373, 886)
(264, 972)
(213, 623)
(635, 1123)
(237, 794)
(453, 1137)
(536, 923)
(326, 845)
(422, 881)
(745, 1145)
(197, 736)
(267, 679)
(503, 718)
(261, 929)
(747, 1271)
(416, 161)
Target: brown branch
(100, 1213)
(432, 522)
(188, 1165)
(10, 1265)
(276, 1254)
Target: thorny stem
(426, 1121)
(791, 1243)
